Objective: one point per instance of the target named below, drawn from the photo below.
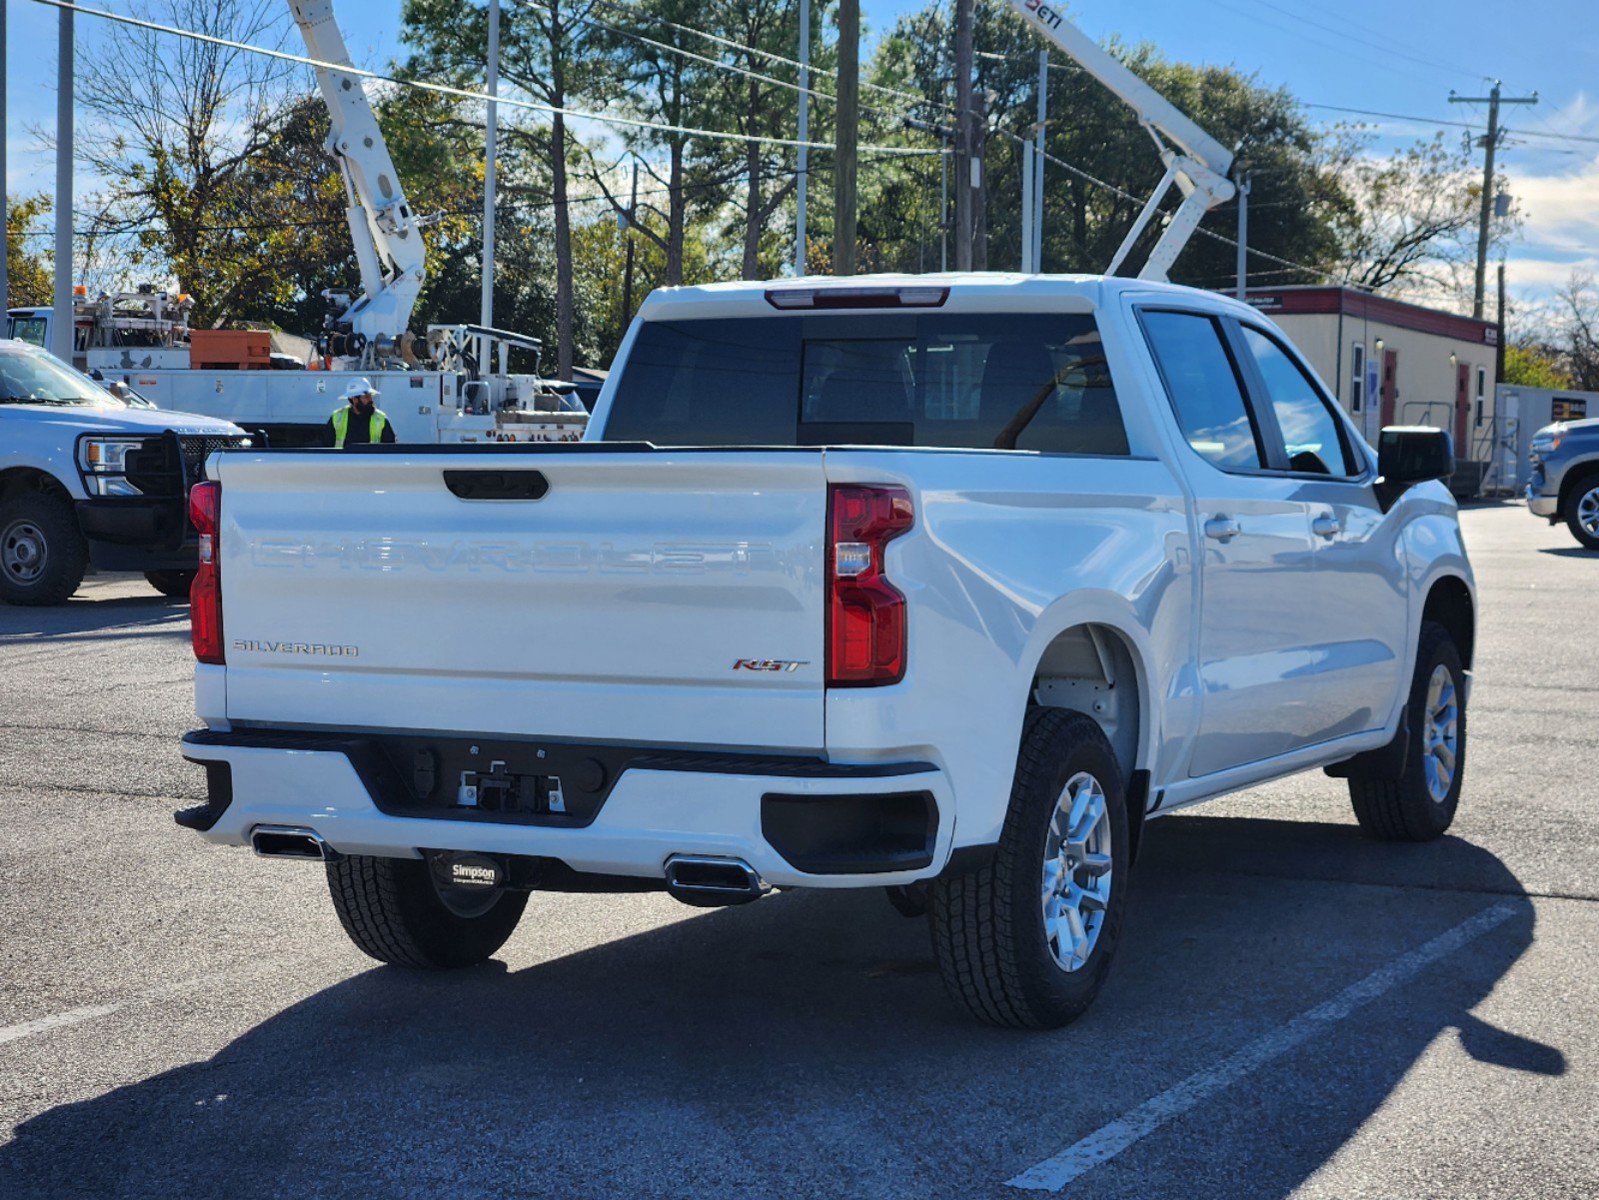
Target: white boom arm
(1194, 160)
(388, 240)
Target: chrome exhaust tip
(709, 882)
(290, 841)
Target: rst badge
(786, 665)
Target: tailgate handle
(497, 485)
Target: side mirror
(1412, 454)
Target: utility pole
(803, 167)
(1243, 235)
(848, 107)
(963, 135)
(5, 208)
(1039, 162)
(1490, 144)
(1027, 209)
(627, 271)
(1499, 350)
(943, 206)
(490, 150)
(62, 317)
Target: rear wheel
(395, 910)
(171, 583)
(1418, 804)
(43, 554)
(1028, 939)
(1582, 510)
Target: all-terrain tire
(988, 925)
(1402, 807)
(1586, 488)
(392, 911)
(43, 553)
(170, 583)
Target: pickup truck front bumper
(795, 821)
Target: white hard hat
(359, 387)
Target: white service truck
(87, 479)
(941, 584)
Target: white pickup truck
(941, 584)
(87, 479)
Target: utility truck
(944, 584)
(453, 385)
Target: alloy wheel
(1441, 733)
(1076, 871)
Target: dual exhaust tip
(707, 882)
(290, 841)
(699, 880)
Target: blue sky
(1400, 56)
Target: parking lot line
(92, 1012)
(1111, 1139)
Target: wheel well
(1091, 669)
(1574, 475)
(18, 480)
(1449, 604)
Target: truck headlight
(107, 456)
(104, 464)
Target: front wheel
(1582, 511)
(1418, 804)
(395, 910)
(43, 554)
(1028, 940)
(170, 583)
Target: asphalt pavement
(1296, 1010)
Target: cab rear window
(1028, 382)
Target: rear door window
(1025, 381)
(1206, 391)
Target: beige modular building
(1393, 363)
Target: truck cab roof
(964, 291)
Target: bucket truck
(1196, 163)
(441, 389)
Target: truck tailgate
(361, 591)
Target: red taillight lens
(865, 613)
(205, 593)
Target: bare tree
(173, 127)
(1414, 217)
(1579, 329)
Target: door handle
(1326, 526)
(1222, 528)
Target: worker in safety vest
(360, 420)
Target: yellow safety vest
(341, 426)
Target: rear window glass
(1028, 382)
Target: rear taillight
(865, 612)
(205, 593)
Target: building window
(1357, 377)
(1482, 390)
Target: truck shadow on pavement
(803, 1047)
(88, 619)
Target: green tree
(1531, 365)
(28, 273)
(545, 52)
(1296, 205)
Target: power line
(1475, 128)
(454, 92)
(769, 55)
(894, 114)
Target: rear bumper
(797, 822)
